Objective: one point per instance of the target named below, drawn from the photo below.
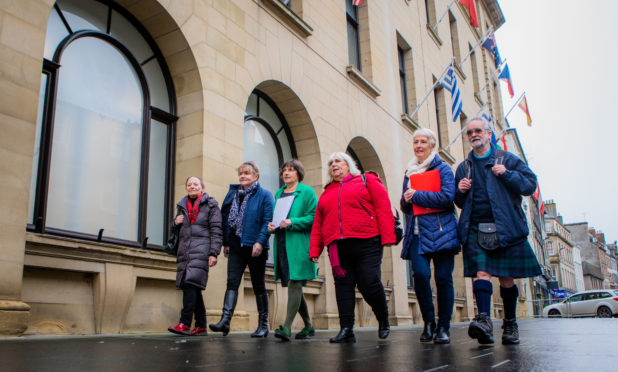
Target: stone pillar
(399, 310)
(113, 291)
(326, 314)
(22, 38)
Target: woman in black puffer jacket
(200, 239)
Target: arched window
(105, 129)
(267, 139)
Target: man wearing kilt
(492, 228)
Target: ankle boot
(442, 336)
(510, 335)
(262, 305)
(384, 328)
(345, 335)
(229, 303)
(428, 331)
(482, 329)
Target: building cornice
(494, 13)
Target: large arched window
(267, 141)
(105, 129)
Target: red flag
(537, 196)
(469, 5)
(357, 2)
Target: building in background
(577, 268)
(559, 247)
(592, 254)
(108, 106)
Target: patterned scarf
(414, 167)
(238, 211)
(194, 209)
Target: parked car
(601, 302)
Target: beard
(477, 143)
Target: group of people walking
(354, 221)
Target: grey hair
(486, 123)
(345, 157)
(426, 132)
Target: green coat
(297, 235)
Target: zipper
(439, 222)
(339, 204)
(362, 206)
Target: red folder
(426, 181)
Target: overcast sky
(564, 55)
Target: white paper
(282, 208)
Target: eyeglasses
(475, 130)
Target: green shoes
(305, 333)
(283, 333)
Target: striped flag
(450, 83)
(357, 2)
(523, 105)
(505, 75)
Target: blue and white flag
(450, 83)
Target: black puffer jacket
(197, 242)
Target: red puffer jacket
(349, 209)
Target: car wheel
(554, 313)
(604, 312)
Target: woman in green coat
(291, 246)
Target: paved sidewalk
(583, 345)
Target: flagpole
(481, 40)
(433, 29)
(432, 88)
(493, 76)
(462, 130)
(512, 107)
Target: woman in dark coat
(431, 235)
(200, 238)
(246, 210)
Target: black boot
(510, 335)
(442, 336)
(345, 335)
(229, 303)
(482, 329)
(262, 305)
(428, 331)
(384, 328)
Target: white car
(600, 302)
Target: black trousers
(361, 259)
(192, 303)
(238, 260)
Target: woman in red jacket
(354, 220)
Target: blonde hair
(251, 165)
(345, 157)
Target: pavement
(582, 345)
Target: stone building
(108, 106)
(559, 247)
(592, 254)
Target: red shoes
(180, 329)
(199, 331)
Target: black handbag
(488, 236)
(171, 247)
(398, 228)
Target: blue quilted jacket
(437, 231)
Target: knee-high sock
(509, 299)
(295, 293)
(303, 310)
(482, 293)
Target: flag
(357, 2)
(469, 5)
(523, 105)
(506, 76)
(492, 47)
(537, 196)
(486, 116)
(503, 140)
(450, 83)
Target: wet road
(584, 345)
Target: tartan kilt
(517, 261)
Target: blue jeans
(444, 263)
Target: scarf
(237, 211)
(333, 253)
(195, 208)
(414, 167)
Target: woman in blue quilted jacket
(431, 233)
